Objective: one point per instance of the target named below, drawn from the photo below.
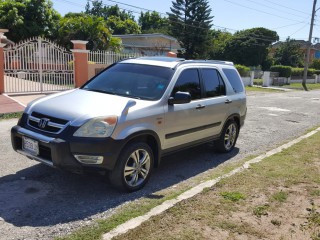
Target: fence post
(251, 78)
(2, 31)
(80, 56)
(266, 79)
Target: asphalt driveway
(37, 202)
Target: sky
(289, 18)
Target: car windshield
(132, 80)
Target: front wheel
(133, 168)
(228, 137)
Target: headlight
(97, 127)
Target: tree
(152, 22)
(28, 18)
(218, 43)
(315, 64)
(100, 10)
(289, 54)
(250, 47)
(120, 22)
(118, 26)
(79, 26)
(190, 22)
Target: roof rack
(205, 61)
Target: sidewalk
(8, 105)
(15, 103)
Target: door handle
(228, 101)
(199, 106)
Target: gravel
(38, 202)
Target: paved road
(37, 202)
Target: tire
(133, 168)
(228, 137)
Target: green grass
(233, 196)
(298, 86)
(280, 196)
(4, 116)
(261, 210)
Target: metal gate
(37, 65)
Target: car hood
(80, 105)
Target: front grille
(46, 123)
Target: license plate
(30, 146)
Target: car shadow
(43, 196)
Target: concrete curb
(135, 222)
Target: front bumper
(59, 153)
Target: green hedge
(243, 70)
(298, 72)
(284, 71)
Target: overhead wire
(277, 9)
(258, 10)
(287, 7)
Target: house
(314, 50)
(155, 44)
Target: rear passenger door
(201, 118)
(215, 99)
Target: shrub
(284, 71)
(298, 72)
(243, 70)
(315, 64)
(317, 72)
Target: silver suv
(126, 118)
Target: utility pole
(306, 63)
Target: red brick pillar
(80, 56)
(2, 31)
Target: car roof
(171, 62)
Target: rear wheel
(228, 137)
(133, 168)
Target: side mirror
(180, 98)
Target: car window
(234, 79)
(132, 80)
(213, 83)
(189, 81)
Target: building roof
(149, 35)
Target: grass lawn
(298, 86)
(278, 198)
(4, 116)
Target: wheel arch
(149, 137)
(235, 117)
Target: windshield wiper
(98, 90)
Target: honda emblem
(43, 122)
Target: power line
(257, 10)
(288, 25)
(299, 29)
(287, 7)
(261, 4)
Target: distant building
(314, 50)
(155, 44)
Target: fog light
(87, 159)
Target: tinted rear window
(234, 79)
